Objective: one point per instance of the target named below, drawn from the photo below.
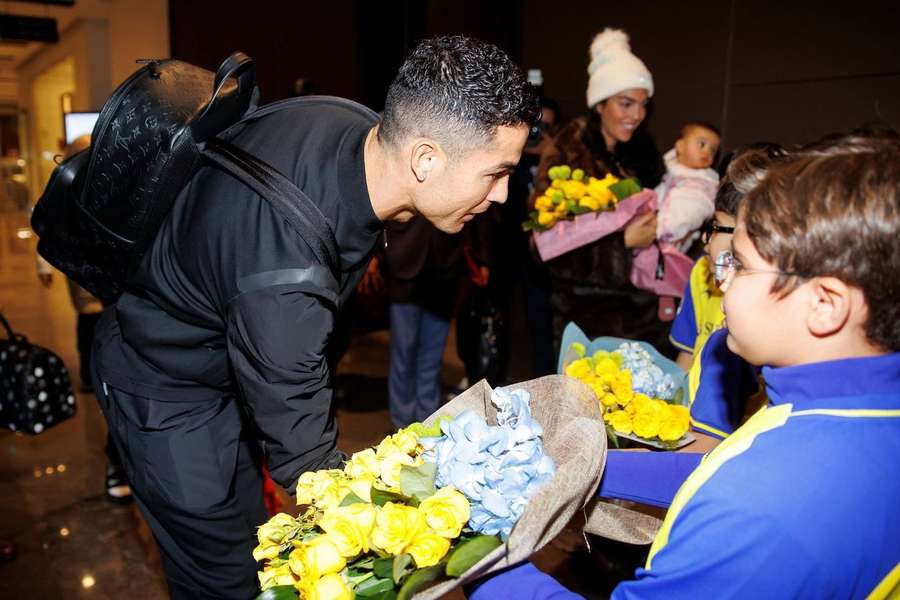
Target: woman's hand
(641, 232)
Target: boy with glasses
(801, 501)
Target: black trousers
(198, 485)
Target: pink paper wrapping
(566, 236)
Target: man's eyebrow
(506, 166)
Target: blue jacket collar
(871, 382)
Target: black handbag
(35, 389)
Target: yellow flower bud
(428, 549)
(543, 203)
(266, 552)
(547, 219)
(446, 512)
(395, 527)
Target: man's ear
(830, 306)
(425, 158)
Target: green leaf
(384, 567)
(364, 565)
(374, 586)
(433, 430)
(465, 555)
(624, 188)
(678, 398)
(418, 482)
(352, 498)
(419, 579)
(611, 436)
(381, 497)
(279, 592)
(386, 595)
(403, 566)
(580, 210)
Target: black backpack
(103, 207)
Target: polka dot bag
(35, 389)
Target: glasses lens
(723, 266)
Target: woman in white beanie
(591, 284)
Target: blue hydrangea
(646, 377)
(498, 468)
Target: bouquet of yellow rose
(639, 392)
(428, 502)
(572, 193)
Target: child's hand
(641, 232)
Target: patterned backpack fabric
(35, 389)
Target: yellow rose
(646, 424)
(362, 487)
(386, 447)
(362, 464)
(547, 219)
(557, 183)
(274, 530)
(406, 440)
(608, 400)
(391, 466)
(579, 369)
(672, 429)
(328, 587)
(639, 403)
(621, 387)
(280, 575)
(606, 366)
(316, 557)
(679, 412)
(599, 389)
(349, 528)
(396, 526)
(561, 209)
(620, 421)
(428, 548)
(321, 488)
(446, 512)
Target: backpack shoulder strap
(285, 197)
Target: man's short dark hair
(458, 91)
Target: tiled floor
(71, 543)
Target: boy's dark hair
(745, 169)
(458, 91)
(834, 210)
(686, 128)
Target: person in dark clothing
(217, 349)
(425, 268)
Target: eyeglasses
(728, 267)
(710, 227)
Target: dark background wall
(760, 69)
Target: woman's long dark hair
(638, 156)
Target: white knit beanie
(614, 68)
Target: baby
(687, 193)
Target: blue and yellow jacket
(800, 502)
